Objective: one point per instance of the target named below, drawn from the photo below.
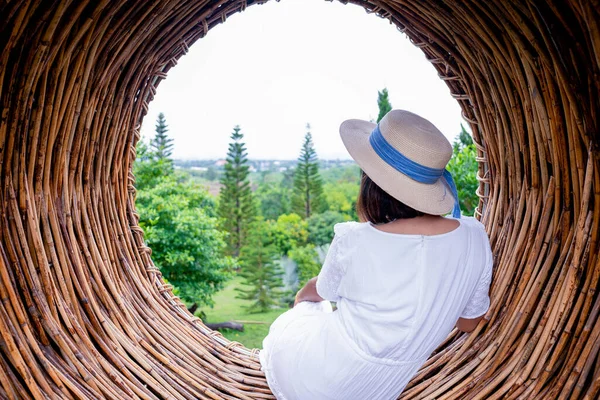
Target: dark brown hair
(376, 206)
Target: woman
(402, 278)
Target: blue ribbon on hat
(413, 170)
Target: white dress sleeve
(479, 303)
(333, 270)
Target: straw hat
(418, 140)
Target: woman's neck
(423, 225)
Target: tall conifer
(236, 203)
(308, 198)
(260, 271)
(162, 144)
(154, 158)
(383, 102)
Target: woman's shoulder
(472, 223)
(343, 228)
(478, 231)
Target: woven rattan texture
(84, 313)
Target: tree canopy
(186, 244)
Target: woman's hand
(308, 292)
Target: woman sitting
(402, 278)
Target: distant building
(220, 163)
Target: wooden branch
(229, 325)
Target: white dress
(398, 297)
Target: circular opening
(323, 76)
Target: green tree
(307, 262)
(287, 181)
(153, 157)
(146, 169)
(260, 271)
(162, 145)
(320, 227)
(236, 203)
(289, 231)
(180, 225)
(383, 102)
(186, 245)
(463, 167)
(211, 174)
(341, 197)
(307, 197)
(274, 200)
(462, 140)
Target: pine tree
(236, 203)
(384, 104)
(308, 197)
(153, 161)
(260, 271)
(162, 144)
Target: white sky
(278, 66)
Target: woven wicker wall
(84, 313)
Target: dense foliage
(178, 219)
(289, 231)
(320, 227)
(463, 167)
(273, 199)
(341, 198)
(186, 245)
(236, 202)
(308, 198)
(149, 169)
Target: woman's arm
(308, 292)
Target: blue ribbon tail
(450, 180)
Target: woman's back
(398, 297)
(401, 294)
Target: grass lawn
(229, 308)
